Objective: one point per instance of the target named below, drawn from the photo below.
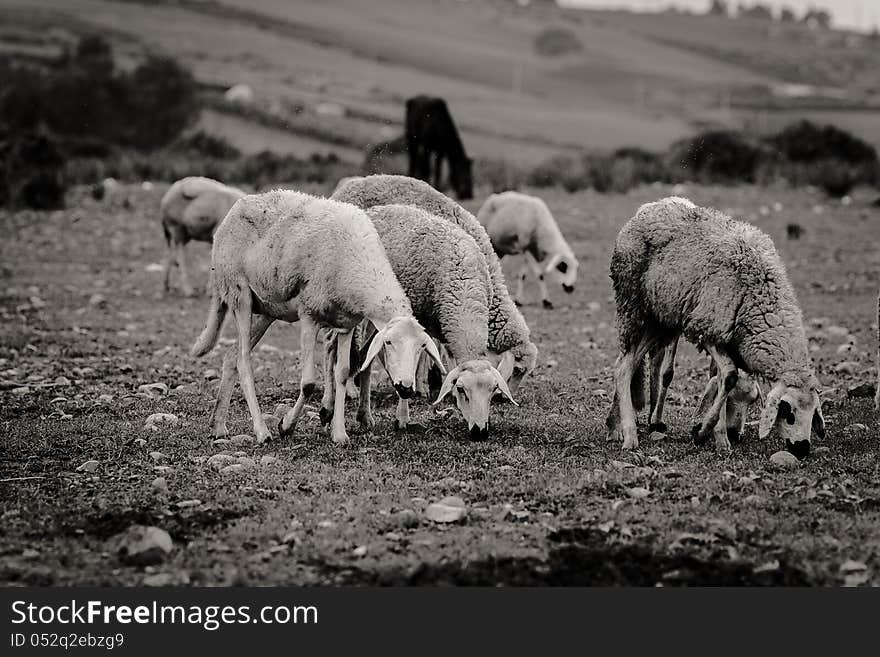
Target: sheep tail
(208, 338)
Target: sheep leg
(722, 442)
(538, 271)
(245, 370)
(307, 336)
(340, 375)
(186, 287)
(365, 412)
(662, 371)
(170, 260)
(330, 348)
(727, 376)
(624, 424)
(259, 326)
(518, 298)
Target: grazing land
(85, 325)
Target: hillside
(634, 79)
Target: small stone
(61, 381)
(210, 375)
(448, 510)
(158, 579)
(290, 538)
(159, 485)
(143, 546)
(188, 504)
(326, 524)
(246, 462)
(784, 460)
(140, 442)
(157, 420)
(753, 500)
(406, 519)
(30, 553)
(360, 551)
(242, 439)
(267, 460)
(163, 469)
(657, 436)
(638, 492)
(220, 442)
(851, 566)
(219, 461)
(88, 466)
(837, 331)
(158, 456)
(98, 301)
(235, 468)
(21, 390)
(846, 367)
(856, 426)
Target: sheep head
(473, 384)
(401, 342)
(564, 268)
(793, 412)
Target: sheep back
(442, 271)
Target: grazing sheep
(444, 274)
(508, 332)
(290, 256)
(522, 224)
(683, 270)
(191, 210)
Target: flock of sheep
(388, 268)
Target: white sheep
(444, 274)
(191, 210)
(509, 338)
(679, 269)
(291, 256)
(521, 224)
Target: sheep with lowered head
(191, 210)
(521, 224)
(509, 338)
(291, 256)
(446, 279)
(679, 269)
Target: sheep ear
(375, 347)
(771, 409)
(502, 386)
(552, 263)
(819, 422)
(448, 382)
(505, 365)
(431, 348)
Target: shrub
(715, 156)
(31, 172)
(201, 143)
(557, 41)
(807, 142)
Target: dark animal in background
(431, 135)
(794, 231)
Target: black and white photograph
(438, 293)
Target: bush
(31, 173)
(557, 41)
(716, 156)
(807, 142)
(201, 143)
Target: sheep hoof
(285, 432)
(263, 436)
(547, 304)
(221, 432)
(366, 420)
(341, 438)
(722, 447)
(325, 414)
(630, 443)
(700, 437)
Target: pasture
(85, 325)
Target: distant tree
(787, 15)
(757, 10)
(817, 18)
(718, 8)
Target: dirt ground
(84, 324)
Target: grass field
(84, 324)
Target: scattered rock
(638, 492)
(219, 461)
(158, 579)
(88, 466)
(837, 331)
(154, 390)
(246, 462)
(360, 551)
(856, 426)
(290, 538)
(242, 439)
(847, 367)
(234, 468)
(143, 546)
(188, 504)
(140, 442)
(158, 456)
(784, 460)
(159, 485)
(449, 509)
(267, 460)
(61, 381)
(657, 436)
(157, 420)
(98, 301)
(210, 375)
